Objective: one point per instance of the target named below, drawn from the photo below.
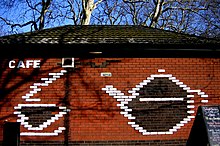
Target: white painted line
(179, 83)
(36, 105)
(63, 71)
(204, 96)
(161, 70)
(190, 101)
(201, 93)
(120, 99)
(128, 110)
(132, 97)
(131, 123)
(161, 99)
(44, 79)
(123, 107)
(172, 78)
(123, 113)
(135, 94)
(33, 99)
(52, 74)
(190, 106)
(190, 96)
(193, 91)
(128, 99)
(184, 122)
(190, 112)
(135, 89)
(191, 117)
(169, 132)
(161, 76)
(139, 86)
(134, 125)
(186, 88)
(172, 130)
(142, 83)
(204, 101)
(150, 78)
(37, 134)
(131, 118)
(33, 87)
(161, 132)
(138, 128)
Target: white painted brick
(161, 132)
(180, 125)
(52, 74)
(176, 127)
(204, 95)
(135, 94)
(131, 91)
(146, 81)
(191, 117)
(44, 79)
(190, 112)
(130, 118)
(183, 86)
(179, 83)
(172, 78)
(123, 107)
(201, 93)
(109, 86)
(150, 78)
(131, 123)
(139, 86)
(190, 101)
(128, 110)
(172, 130)
(143, 83)
(190, 106)
(33, 99)
(120, 99)
(161, 70)
(123, 113)
(190, 96)
(186, 88)
(33, 86)
(153, 133)
(135, 125)
(183, 122)
(204, 101)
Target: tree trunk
(45, 7)
(157, 13)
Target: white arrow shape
(37, 86)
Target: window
(67, 62)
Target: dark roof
(109, 36)
(104, 34)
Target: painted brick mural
(122, 101)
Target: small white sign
(106, 74)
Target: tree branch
(20, 25)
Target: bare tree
(191, 16)
(32, 13)
(80, 11)
(200, 17)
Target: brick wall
(149, 101)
